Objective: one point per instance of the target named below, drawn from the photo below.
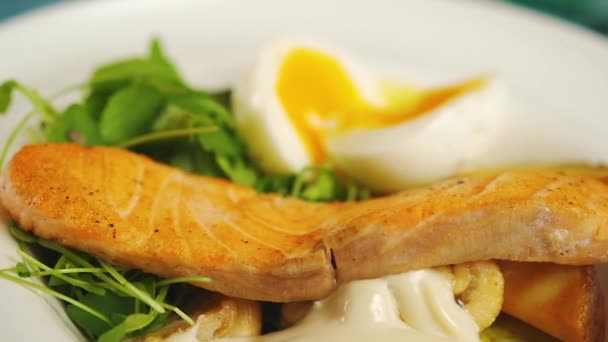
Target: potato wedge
(563, 301)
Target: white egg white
(271, 138)
(447, 139)
(438, 144)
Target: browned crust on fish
(138, 213)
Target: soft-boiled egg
(304, 103)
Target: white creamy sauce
(413, 306)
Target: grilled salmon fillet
(138, 213)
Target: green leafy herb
(142, 104)
(130, 323)
(237, 169)
(107, 305)
(157, 55)
(101, 298)
(156, 69)
(75, 124)
(129, 112)
(318, 184)
(6, 90)
(116, 75)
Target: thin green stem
(21, 235)
(158, 136)
(351, 192)
(67, 90)
(132, 289)
(41, 106)
(162, 294)
(33, 137)
(68, 271)
(179, 312)
(76, 282)
(184, 280)
(78, 260)
(11, 137)
(56, 294)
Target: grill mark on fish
(283, 238)
(138, 185)
(248, 238)
(204, 229)
(106, 172)
(234, 197)
(269, 225)
(176, 218)
(151, 226)
(294, 219)
(487, 188)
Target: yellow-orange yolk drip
(320, 98)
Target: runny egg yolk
(320, 99)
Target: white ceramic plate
(557, 74)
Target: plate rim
(535, 17)
(61, 9)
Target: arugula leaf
(199, 110)
(172, 117)
(156, 69)
(157, 54)
(221, 143)
(224, 98)
(130, 112)
(58, 131)
(159, 321)
(83, 127)
(204, 163)
(280, 184)
(95, 102)
(77, 125)
(182, 159)
(237, 170)
(202, 103)
(222, 152)
(118, 74)
(6, 90)
(130, 323)
(108, 304)
(321, 183)
(324, 188)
